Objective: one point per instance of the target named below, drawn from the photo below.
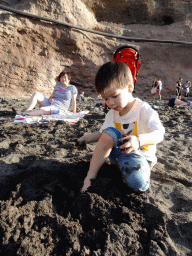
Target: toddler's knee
(113, 132)
(137, 183)
(110, 130)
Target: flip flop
(16, 112)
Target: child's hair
(62, 74)
(115, 74)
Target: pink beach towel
(67, 116)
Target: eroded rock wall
(33, 52)
(159, 12)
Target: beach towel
(66, 116)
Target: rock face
(33, 52)
(143, 12)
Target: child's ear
(130, 87)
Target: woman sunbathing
(176, 102)
(63, 95)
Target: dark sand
(43, 212)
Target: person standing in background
(154, 88)
(186, 89)
(178, 88)
(159, 87)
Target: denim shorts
(134, 167)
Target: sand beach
(44, 213)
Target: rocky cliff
(33, 51)
(155, 12)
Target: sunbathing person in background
(176, 102)
(63, 95)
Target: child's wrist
(84, 139)
(138, 140)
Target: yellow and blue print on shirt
(128, 129)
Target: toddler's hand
(128, 144)
(80, 144)
(87, 183)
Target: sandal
(17, 112)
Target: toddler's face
(117, 99)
